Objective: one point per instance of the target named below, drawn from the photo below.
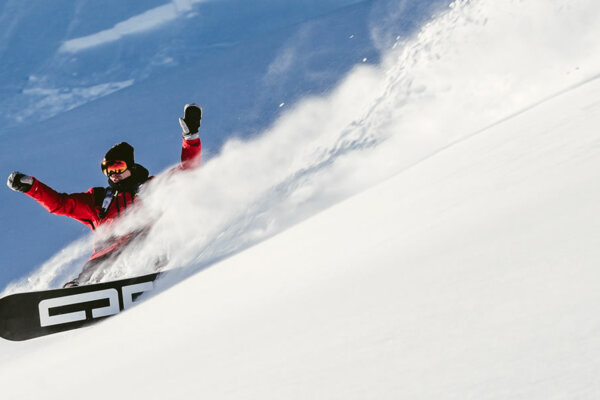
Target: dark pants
(90, 267)
(93, 265)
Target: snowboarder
(101, 205)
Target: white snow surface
(427, 230)
(472, 275)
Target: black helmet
(119, 152)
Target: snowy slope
(469, 272)
(468, 279)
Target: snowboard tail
(29, 315)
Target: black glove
(190, 123)
(19, 182)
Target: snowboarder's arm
(190, 153)
(79, 206)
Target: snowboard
(30, 315)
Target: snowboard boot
(73, 283)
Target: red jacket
(87, 207)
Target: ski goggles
(113, 167)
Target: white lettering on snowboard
(112, 295)
(45, 305)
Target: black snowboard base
(29, 315)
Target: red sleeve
(190, 153)
(76, 205)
